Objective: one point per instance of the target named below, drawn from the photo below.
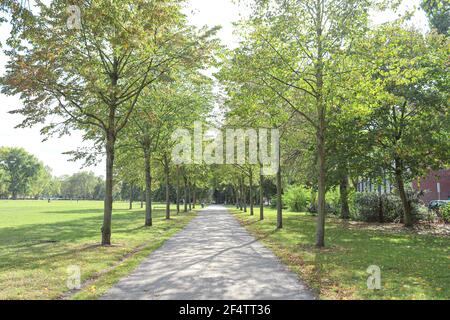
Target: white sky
(204, 12)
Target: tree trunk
(321, 208)
(131, 197)
(166, 172)
(261, 196)
(185, 194)
(148, 189)
(407, 211)
(279, 200)
(321, 113)
(343, 188)
(189, 197)
(241, 192)
(194, 196)
(142, 199)
(107, 215)
(251, 193)
(178, 190)
(244, 196)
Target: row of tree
(22, 175)
(127, 77)
(352, 100)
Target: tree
(44, 184)
(407, 104)
(438, 12)
(300, 46)
(3, 183)
(252, 104)
(92, 78)
(127, 171)
(183, 97)
(81, 185)
(20, 169)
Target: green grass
(412, 266)
(39, 240)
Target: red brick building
(437, 185)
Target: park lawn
(40, 240)
(412, 266)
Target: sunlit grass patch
(413, 266)
(39, 240)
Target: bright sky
(204, 12)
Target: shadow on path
(214, 257)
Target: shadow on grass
(412, 265)
(82, 211)
(25, 247)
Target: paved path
(214, 257)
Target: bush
(372, 207)
(273, 203)
(444, 213)
(392, 208)
(312, 208)
(368, 207)
(297, 198)
(352, 194)
(333, 201)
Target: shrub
(312, 208)
(273, 203)
(372, 207)
(419, 210)
(392, 208)
(297, 198)
(352, 194)
(368, 207)
(445, 213)
(333, 201)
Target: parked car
(436, 204)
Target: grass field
(412, 266)
(39, 240)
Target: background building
(436, 185)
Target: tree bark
(343, 188)
(185, 194)
(407, 210)
(107, 215)
(178, 190)
(148, 189)
(142, 199)
(261, 196)
(321, 208)
(244, 195)
(131, 197)
(251, 194)
(279, 200)
(321, 112)
(194, 196)
(189, 196)
(166, 172)
(241, 196)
